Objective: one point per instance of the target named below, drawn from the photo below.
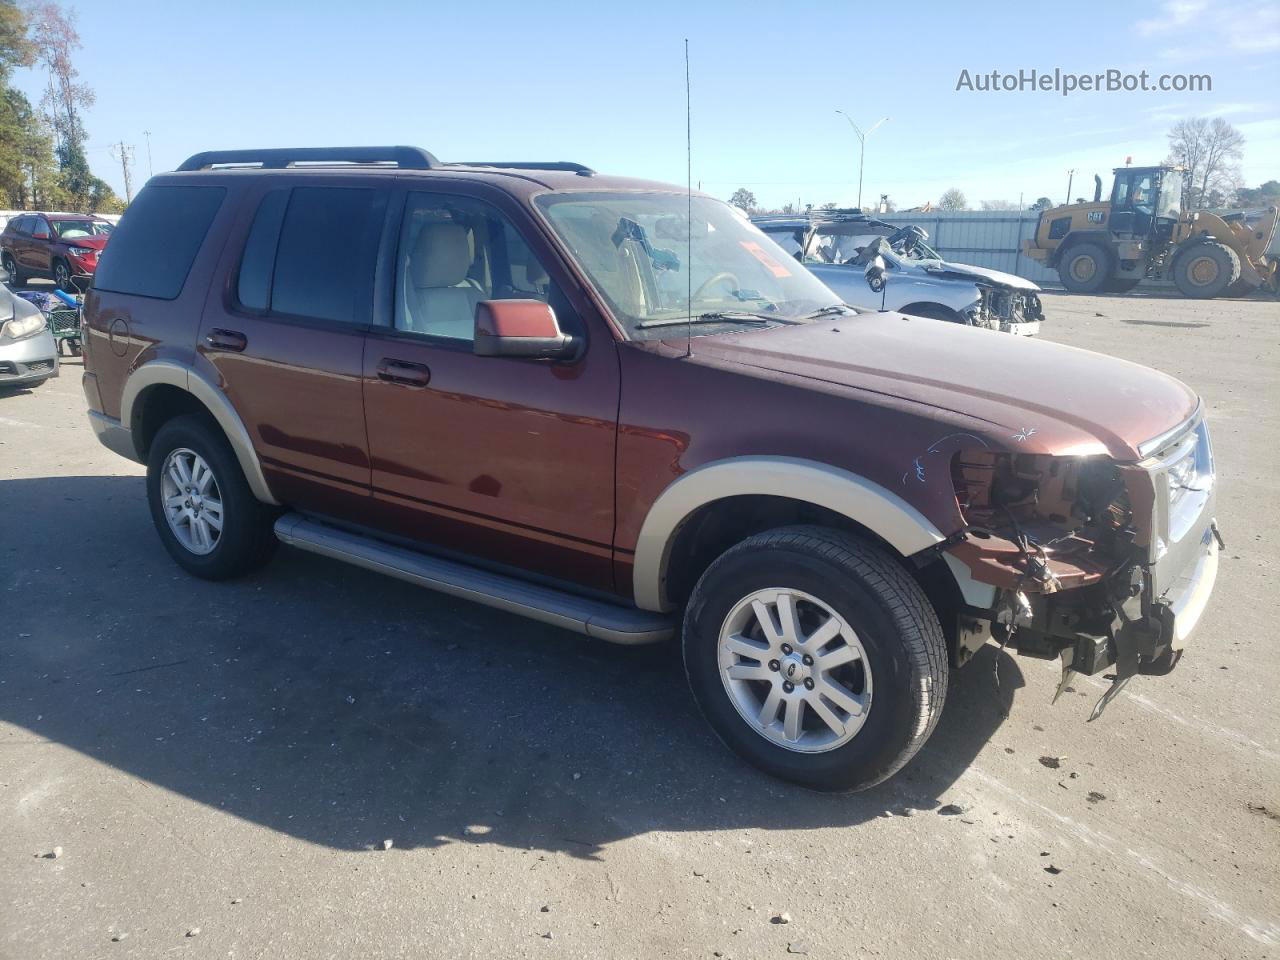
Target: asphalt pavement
(220, 767)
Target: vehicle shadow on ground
(345, 708)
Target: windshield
(635, 248)
(69, 229)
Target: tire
(246, 540)
(1118, 285)
(74, 348)
(1084, 268)
(934, 311)
(897, 670)
(15, 275)
(62, 276)
(1241, 288)
(1205, 270)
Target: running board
(595, 618)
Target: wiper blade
(835, 308)
(725, 316)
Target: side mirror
(42, 235)
(520, 328)
(875, 273)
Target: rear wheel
(815, 657)
(201, 505)
(1206, 270)
(1084, 268)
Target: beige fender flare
(214, 400)
(881, 511)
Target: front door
(508, 460)
(286, 337)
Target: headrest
(441, 256)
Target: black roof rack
(408, 158)
(565, 165)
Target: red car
(58, 246)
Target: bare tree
(999, 205)
(953, 199)
(1210, 152)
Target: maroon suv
(57, 246)
(617, 407)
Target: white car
(28, 353)
(916, 281)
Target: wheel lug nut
(808, 660)
(775, 666)
(786, 648)
(788, 686)
(808, 683)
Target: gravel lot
(230, 758)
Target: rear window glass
(254, 288)
(324, 263)
(151, 252)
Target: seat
(438, 299)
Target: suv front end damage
(1097, 563)
(1010, 311)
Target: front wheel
(62, 276)
(16, 278)
(1206, 270)
(201, 504)
(815, 657)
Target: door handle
(232, 340)
(404, 372)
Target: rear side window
(325, 258)
(151, 252)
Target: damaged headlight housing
(20, 327)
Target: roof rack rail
(409, 158)
(565, 165)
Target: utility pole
(1071, 175)
(126, 157)
(150, 172)
(862, 146)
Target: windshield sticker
(772, 265)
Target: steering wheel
(712, 281)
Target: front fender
(881, 511)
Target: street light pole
(862, 146)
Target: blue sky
(605, 86)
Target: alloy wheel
(191, 500)
(795, 670)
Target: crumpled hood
(94, 241)
(977, 273)
(1042, 397)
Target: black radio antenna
(688, 158)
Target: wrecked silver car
(834, 245)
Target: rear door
(38, 247)
(285, 334)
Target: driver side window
(455, 252)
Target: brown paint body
(552, 466)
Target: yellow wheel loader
(1142, 232)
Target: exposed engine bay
(1071, 547)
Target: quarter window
(152, 250)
